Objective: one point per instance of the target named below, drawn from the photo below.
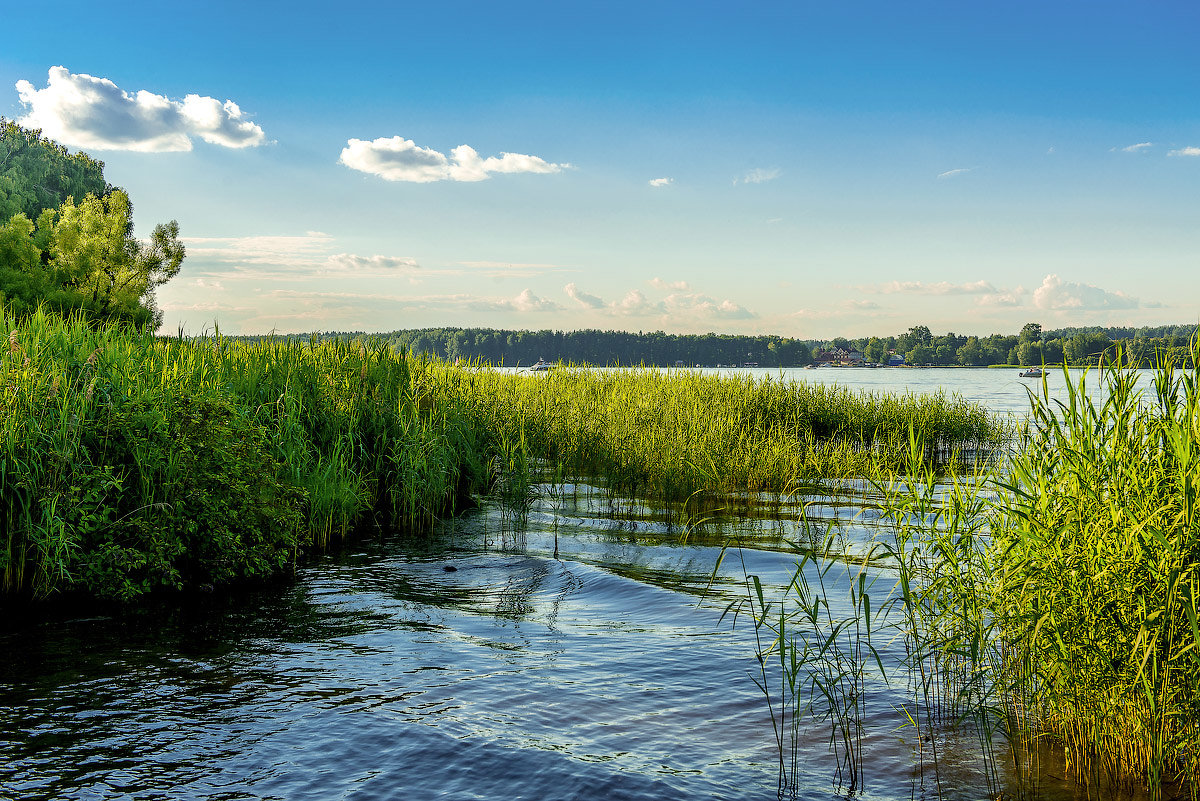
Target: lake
(585, 655)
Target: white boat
(1033, 372)
(541, 366)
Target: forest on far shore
(1030, 346)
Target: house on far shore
(839, 357)
(895, 359)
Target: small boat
(1033, 372)
(541, 366)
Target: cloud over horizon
(85, 111)
(934, 288)
(1057, 295)
(398, 159)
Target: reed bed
(130, 463)
(1050, 598)
(666, 435)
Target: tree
(37, 173)
(1029, 353)
(1030, 332)
(875, 351)
(111, 274)
(971, 353)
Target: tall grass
(1053, 597)
(129, 463)
(668, 434)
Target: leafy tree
(38, 174)
(1029, 353)
(875, 350)
(1030, 332)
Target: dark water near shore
(584, 657)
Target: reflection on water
(474, 665)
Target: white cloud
(85, 111)
(952, 173)
(524, 302)
(1140, 146)
(583, 298)
(697, 305)
(371, 264)
(758, 175)
(672, 286)
(1185, 151)
(636, 304)
(661, 181)
(935, 288)
(1002, 299)
(1056, 294)
(400, 159)
(309, 250)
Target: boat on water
(1033, 372)
(540, 366)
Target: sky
(801, 169)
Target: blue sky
(802, 169)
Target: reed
(668, 434)
(129, 463)
(1054, 596)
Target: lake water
(581, 657)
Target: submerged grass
(129, 462)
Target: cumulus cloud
(1055, 294)
(635, 303)
(661, 181)
(758, 176)
(583, 298)
(371, 264)
(1002, 299)
(398, 159)
(524, 302)
(952, 173)
(698, 305)
(934, 288)
(1185, 151)
(670, 286)
(85, 111)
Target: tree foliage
(81, 255)
(37, 173)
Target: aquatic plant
(667, 434)
(1052, 597)
(130, 462)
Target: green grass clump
(1055, 597)
(1097, 554)
(130, 463)
(666, 434)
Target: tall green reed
(130, 462)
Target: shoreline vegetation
(1076, 347)
(1062, 600)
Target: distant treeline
(592, 347)
(918, 345)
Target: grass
(1053, 597)
(667, 435)
(130, 463)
